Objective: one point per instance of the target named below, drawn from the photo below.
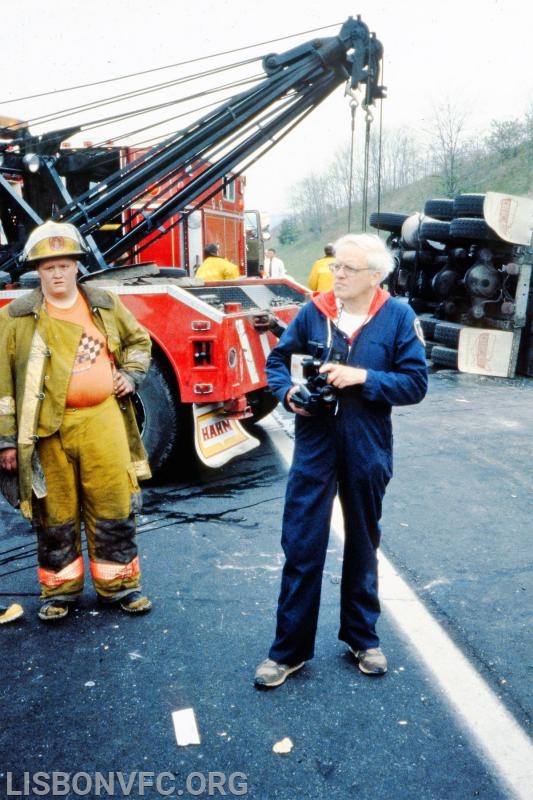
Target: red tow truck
(146, 215)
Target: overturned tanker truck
(465, 266)
(146, 214)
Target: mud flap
(486, 352)
(510, 216)
(217, 437)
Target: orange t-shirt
(91, 381)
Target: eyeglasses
(334, 267)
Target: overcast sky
(475, 54)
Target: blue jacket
(390, 347)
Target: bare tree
(338, 174)
(449, 128)
(309, 200)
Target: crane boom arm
(225, 140)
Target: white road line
(500, 739)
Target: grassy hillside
(492, 173)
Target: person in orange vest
(216, 268)
(321, 277)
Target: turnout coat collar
(31, 303)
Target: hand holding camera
(319, 381)
(315, 395)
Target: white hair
(378, 257)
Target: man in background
(274, 266)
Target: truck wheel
(387, 220)
(161, 418)
(436, 230)
(444, 356)
(262, 402)
(439, 208)
(428, 326)
(447, 333)
(472, 228)
(468, 205)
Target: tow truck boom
(223, 140)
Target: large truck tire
(436, 230)
(387, 220)
(440, 208)
(468, 228)
(469, 205)
(163, 422)
(444, 356)
(262, 402)
(447, 333)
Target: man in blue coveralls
(349, 355)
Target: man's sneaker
(269, 673)
(11, 613)
(136, 603)
(53, 610)
(371, 662)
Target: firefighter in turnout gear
(73, 355)
(216, 268)
(321, 278)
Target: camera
(315, 396)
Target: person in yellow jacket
(73, 355)
(216, 268)
(321, 277)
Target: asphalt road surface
(88, 706)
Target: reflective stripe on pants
(89, 479)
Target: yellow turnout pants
(90, 481)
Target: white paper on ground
(185, 727)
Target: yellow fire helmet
(53, 240)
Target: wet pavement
(93, 697)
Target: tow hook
(261, 322)
(268, 322)
(238, 408)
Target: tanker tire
(387, 220)
(447, 333)
(435, 231)
(428, 327)
(440, 208)
(468, 205)
(444, 356)
(163, 421)
(262, 403)
(467, 228)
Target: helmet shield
(53, 240)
